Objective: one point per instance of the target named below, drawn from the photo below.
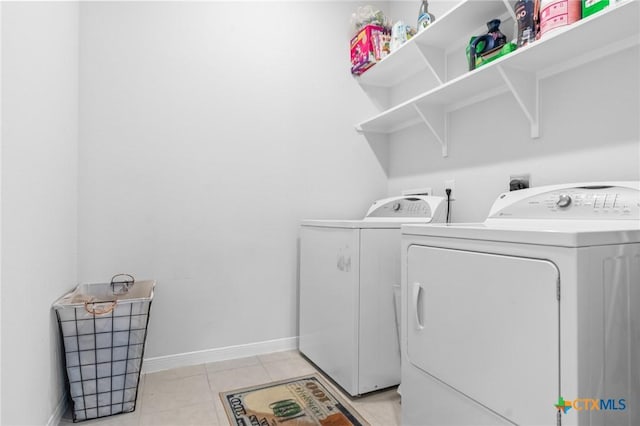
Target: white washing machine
(536, 307)
(347, 272)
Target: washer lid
(393, 212)
(354, 224)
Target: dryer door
(488, 326)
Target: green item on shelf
(506, 49)
(486, 44)
(589, 7)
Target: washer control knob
(563, 200)
(396, 206)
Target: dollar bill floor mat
(306, 400)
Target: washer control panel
(421, 208)
(588, 201)
(401, 207)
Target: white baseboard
(151, 365)
(55, 418)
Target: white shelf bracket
(525, 88)
(434, 58)
(379, 143)
(379, 96)
(509, 8)
(436, 120)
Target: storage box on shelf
(367, 48)
(612, 30)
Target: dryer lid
(590, 201)
(571, 215)
(548, 234)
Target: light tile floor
(189, 395)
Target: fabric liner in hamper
(103, 328)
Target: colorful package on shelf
(400, 33)
(370, 45)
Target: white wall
(39, 200)
(208, 131)
(589, 132)
(407, 10)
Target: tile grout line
(221, 417)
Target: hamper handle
(126, 283)
(103, 311)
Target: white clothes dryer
(530, 318)
(347, 272)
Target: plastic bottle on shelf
(424, 17)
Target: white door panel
(329, 288)
(487, 325)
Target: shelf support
(434, 58)
(510, 10)
(436, 120)
(525, 88)
(379, 95)
(379, 143)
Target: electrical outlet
(517, 182)
(450, 184)
(417, 191)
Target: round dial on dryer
(396, 206)
(563, 200)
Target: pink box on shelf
(367, 47)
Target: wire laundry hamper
(104, 328)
